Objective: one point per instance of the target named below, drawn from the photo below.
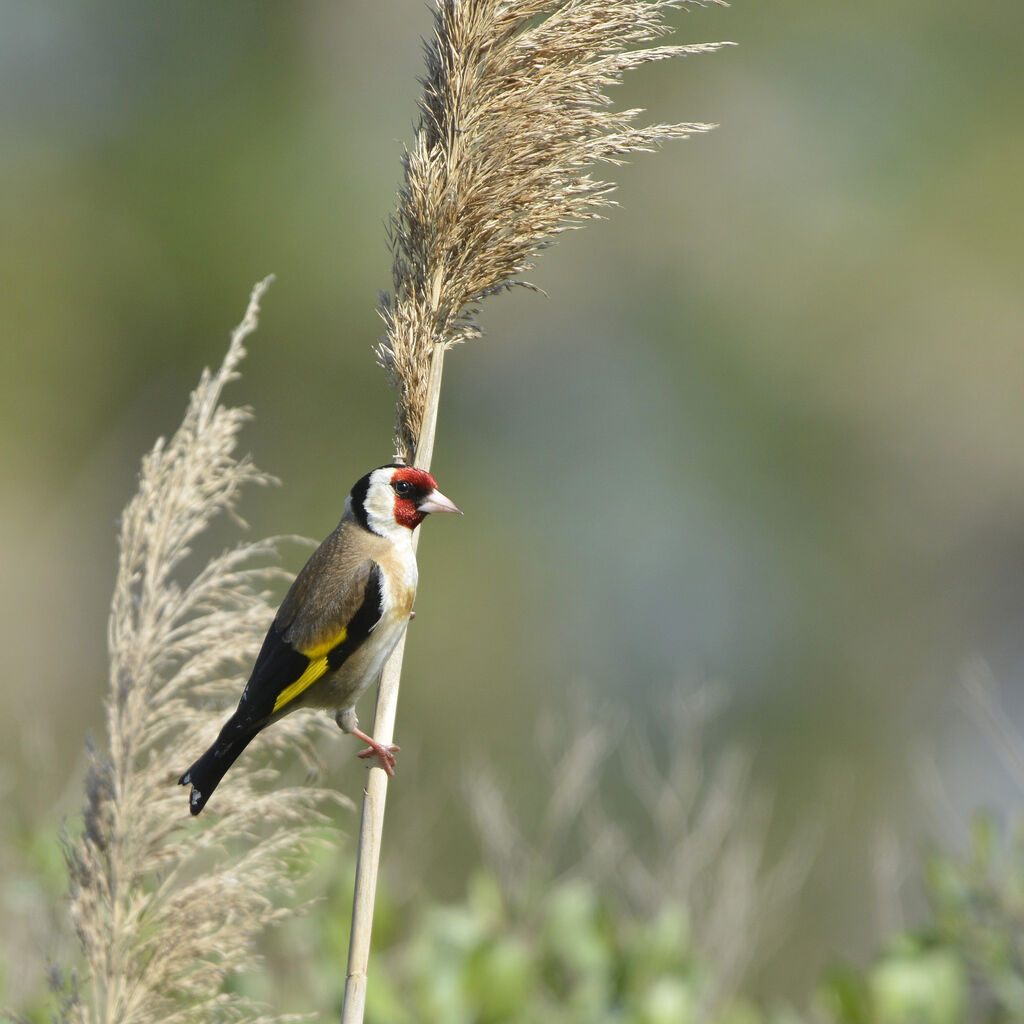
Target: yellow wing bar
(316, 653)
(314, 670)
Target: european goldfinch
(339, 621)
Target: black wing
(282, 672)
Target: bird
(340, 620)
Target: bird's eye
(402, 488)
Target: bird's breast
(399, 602)
(400, 577)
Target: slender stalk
(375, 795)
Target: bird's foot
(385, 753)
(412, 615)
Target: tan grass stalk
(165, 906)
(513, 114)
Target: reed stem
(375, 795)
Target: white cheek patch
(381, 505)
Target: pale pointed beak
(435, 501)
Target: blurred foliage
(966, 963)
(979, 908)
(573, 955)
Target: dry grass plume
(513, 114)
(166, 907)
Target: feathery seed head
(513, 112)
(164, 910)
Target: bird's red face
(416, 496)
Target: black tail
(207, 772)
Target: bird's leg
(385, 754)
(348, 722)
(412, 615)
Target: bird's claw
(384, 754)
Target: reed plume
(514, 112)
(165, 908)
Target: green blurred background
(763, 430)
